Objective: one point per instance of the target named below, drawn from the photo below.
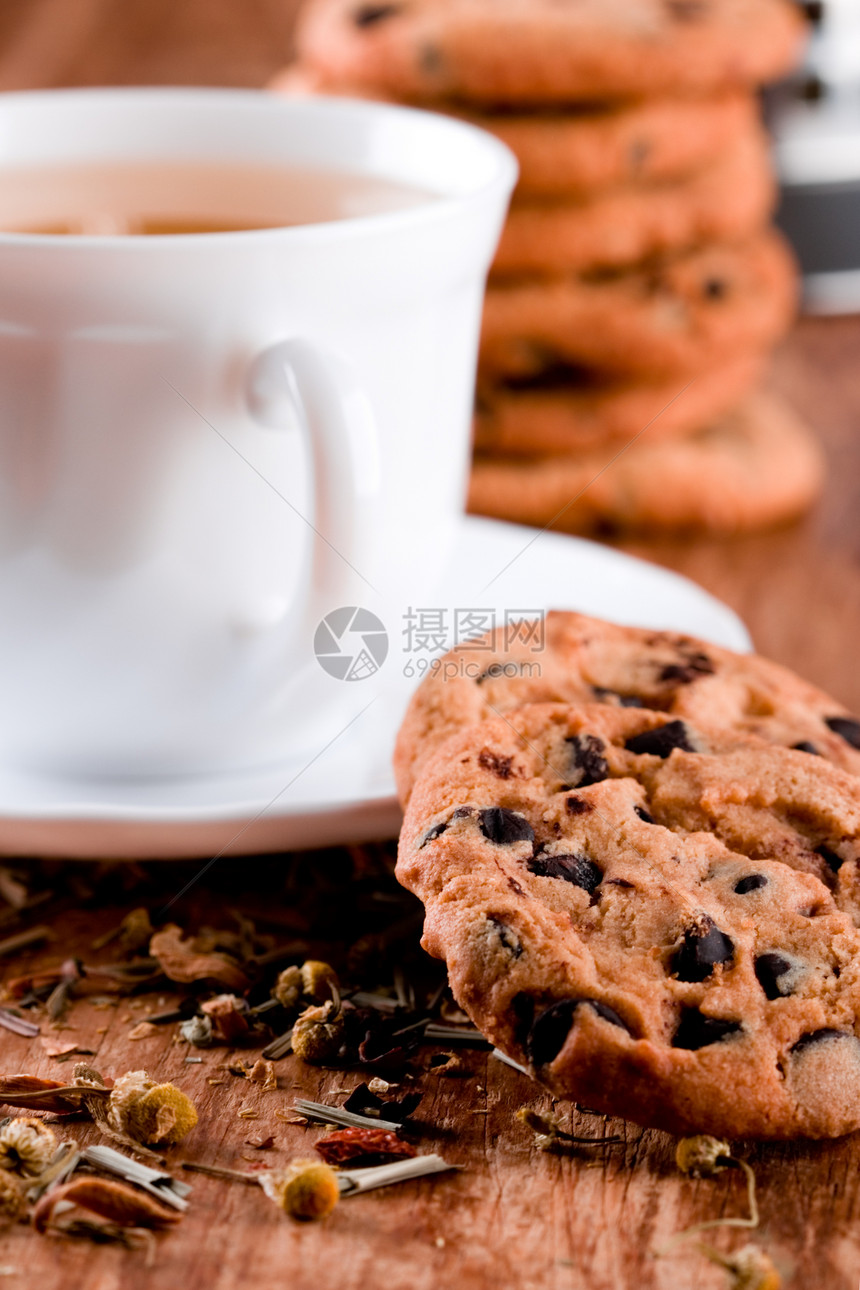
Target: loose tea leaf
(364, 1101)
(112, 1200)
(180, 961)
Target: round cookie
(757, 467)
(579, 659)
(682, 315)
(645, 913)
(576, 414)
(730, 199)
(580, 152)
(541, 52)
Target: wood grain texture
(513, 1218)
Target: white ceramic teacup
(172, 529)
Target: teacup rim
(440, 206)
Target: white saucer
(345, 793)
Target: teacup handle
(343, 447)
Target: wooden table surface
(513, 1217)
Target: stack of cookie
(639, 861)
(638, 287)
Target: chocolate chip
(506, 935)
(370, 14)
(638, 153)
(586, 757)
(847, 727)
(662, 741)
(496, 670)
(643, 815)
(552, 1026)
(693, 666)
(687, 10)
(814, 10)
(523, 1012)
(807, 747)
(714, 289)
(817, 1037)
(578, 870)
(430, 60)
(752, 882)
(504, 828)
(695, 1030)
(705, 946)
(438, 829)
(830, 858)
(578, 806)
(496, 764)
(769, 970)
(623, 700)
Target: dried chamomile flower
(545, 1126)
(150, 1112)
(314, 981)
(318, 1033)
(550, 1136)
(701, 1155)
(305, 1189)
(749, 1268)
(288, 988)
(27, 1145)
(319, 981)
(12, 1199)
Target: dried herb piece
(318, 1033)
(133, 934)
(197, 1031)
(155, 1181)
(150, 1112)
(263, 1072)
(112, 1200)
(13, 1203)
(551, 1137)
(33, 1093)
(306, 1189)
(363, 1147)
(27, 1145)
(319, 1112)
(749, 1268)
(704, 1156)
(181, 961)
(319, 981)
(365, 1101)
(228, 1015)
(353, 1183)
(17, 1025)
(449, 1064)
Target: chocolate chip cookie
(757, 467)
(578, 659)
(570, 411)
(598, 146)
(681, 315)
(540, 51)
(728, 200)
(656, 918)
